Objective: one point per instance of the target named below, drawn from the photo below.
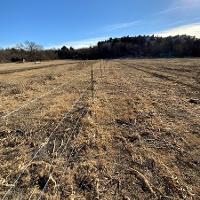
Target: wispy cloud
(123, 25)
(169, 10)
(93, 41)
(180, 5)
(189, 29)
(79, 43)
(184, 22)
(107, 29)
(86, 42)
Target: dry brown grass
(10, 67)
(138, 138)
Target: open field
(7, 68)
(109, 129)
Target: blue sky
(79, 23)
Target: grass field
(109, 129)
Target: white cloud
(121, 25)
(169, 10)
(93, 41)
(180, 5)
(79, 44)
(190, 29)
(86, 42)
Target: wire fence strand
(44, 144)
(66, 145)
(31, 101)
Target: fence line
(91, 86)
(32, 101)
(44, 144)
(66, 145)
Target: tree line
(124, 47)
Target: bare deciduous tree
(31, 49)
(32, 46)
